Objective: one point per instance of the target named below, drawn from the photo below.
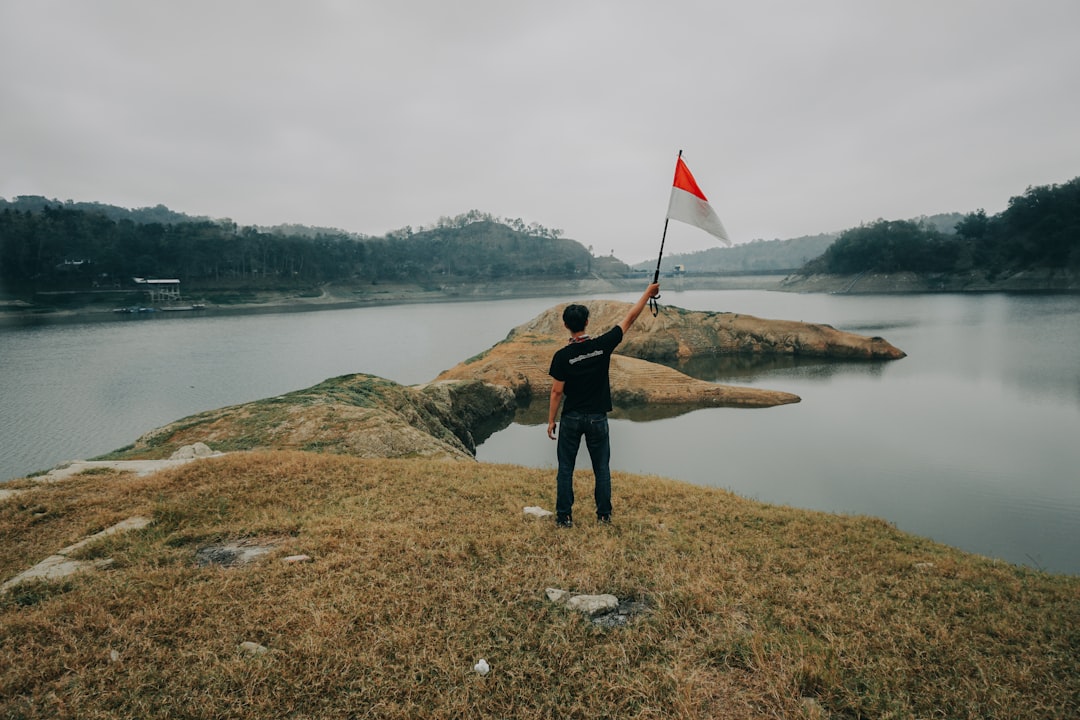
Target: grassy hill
(418, 568)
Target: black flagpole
(653, 305)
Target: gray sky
(796, 117)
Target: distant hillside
(484, 249)
(1039, 230)
(143, 216)
(53, 246)
(765, 256)
(756, 256)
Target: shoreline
(21, 314)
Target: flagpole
(656, 276)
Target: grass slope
(421, 567)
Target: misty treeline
(773, 256)
(1039, 229)
(756, 256)
(58, 245)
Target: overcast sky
(796, 117)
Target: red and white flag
(689, 205)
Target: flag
(689, 205)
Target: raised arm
(650, 292)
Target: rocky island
(372, 417)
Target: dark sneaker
(603, 519)
(564, 521)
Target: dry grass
(422, 567)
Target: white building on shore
(160, 290)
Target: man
(581, 383)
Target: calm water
(973, 439)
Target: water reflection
(750, 368)
(486, 427)
(536, 412)
(724, 369)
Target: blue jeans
(594, 427)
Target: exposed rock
(190, 452)
(602, 610)
(61, 564)
(521, 361)
(622, 615)
(590, 605)
(556, 595)
(55, 567)
(538, 512)
(359, 415)
(232, 554)
(139, 467)
(253, 648)
(678, 334)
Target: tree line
(1039, 229)
(53, 246)
(756, 256)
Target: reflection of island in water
(536, 412)
(716, 368)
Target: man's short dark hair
(575, 317)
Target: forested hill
(66, 246)
(156, 214)
(1039, 230)
(758, 256)
(772, 256)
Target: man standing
(581, 383)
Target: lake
(972, 440)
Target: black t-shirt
(583, 366)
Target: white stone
(54, 567)
(538, 511)
(60, 565)
(587, 604)
(6, 494)
(593, 604)
(296, 559)
(141, 468)
(197, 450)
(132, 523)
(482, 667)
(556, 595)
(253, 648)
